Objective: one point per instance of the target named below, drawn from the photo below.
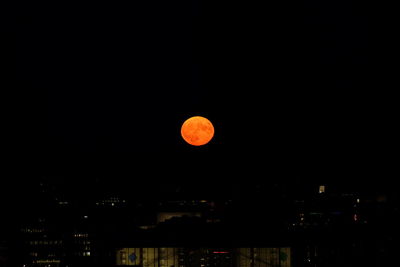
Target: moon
(197, 131)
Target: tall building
(3, 253)
(41, 246)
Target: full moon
(197, 131)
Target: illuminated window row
(81, 235)
(45, 242)
(84, 253)
(32, 230)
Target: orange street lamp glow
(197, 131)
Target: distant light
(358, 200)
(85, 217)
(112, 204)
(355, 217)
(220, 252)
(321, 189)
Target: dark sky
(293, 90)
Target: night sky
(294, 91)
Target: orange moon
(197, 131)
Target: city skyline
(100, 225)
